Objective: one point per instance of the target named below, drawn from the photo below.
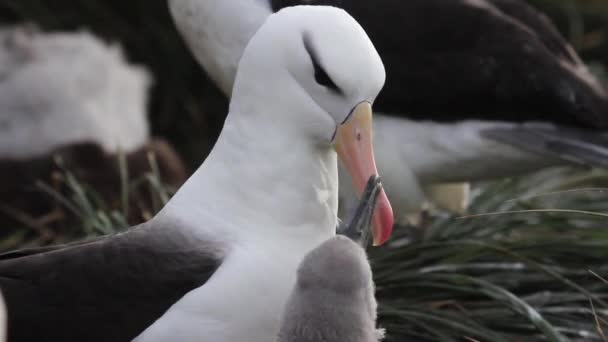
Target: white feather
(218, 47)
(62, 88)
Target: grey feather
(333, 299)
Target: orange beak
(355, 150)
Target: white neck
(246, 182)
(266, 195)
(265, 169)
(217, 32)
(266, 210)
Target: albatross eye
(323, 78)
(321, 75)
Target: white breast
(248, 291)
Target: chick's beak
(355, 150)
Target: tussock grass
(529, 275)
(81, 211)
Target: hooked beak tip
(355, 150)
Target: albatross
(62, 88)
(217, 263)
(476, 89)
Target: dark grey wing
(452, 60)
(540, 25)
(39, 250)
(578, 146)
(109, 289)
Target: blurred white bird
(63, 88)
(74, 96)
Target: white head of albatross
(267, 193)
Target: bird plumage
(108, 289)
(62, 88)
(333, 299)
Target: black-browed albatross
(218, 261)
(465, 80)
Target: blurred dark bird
(333, 299)
(72, 96)
(217, 263)
(475, 89)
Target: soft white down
(63, 88)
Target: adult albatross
(465, 80)
(218, 262)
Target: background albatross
(218, 262)
(464, 80)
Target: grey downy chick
(333, 299)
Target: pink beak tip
(383, 220)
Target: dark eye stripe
(323, 78)
(321, 75)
